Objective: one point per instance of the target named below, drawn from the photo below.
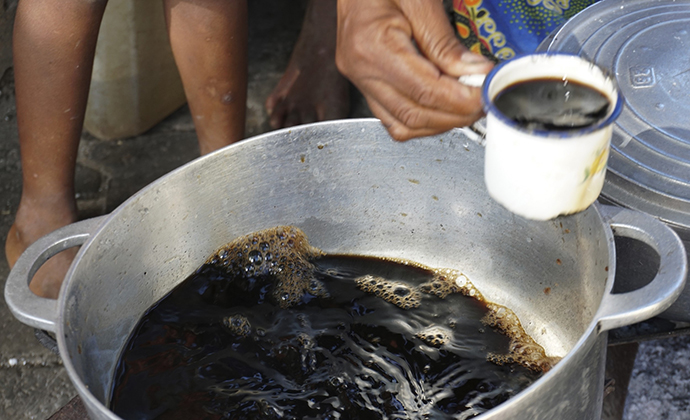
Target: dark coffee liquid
(552, 104)
(361, 338)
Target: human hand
(412, 89)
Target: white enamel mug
(541, 174)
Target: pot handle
(27, 307)
(618, 310)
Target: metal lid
(646, 45)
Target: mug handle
(28, 308)
(618, 310)
(475, 132)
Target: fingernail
(470, 57)
(474, 80)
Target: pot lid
(646, 45)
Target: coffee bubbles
(282, 252)
(399, 294)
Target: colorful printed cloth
(501, 29)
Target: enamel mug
(543, 173)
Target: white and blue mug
(541, 173)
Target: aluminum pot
(353, 189)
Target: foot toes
(277, 116)
(271, 103)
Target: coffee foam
(238, 325)
(523, 349)
(283, 252)
(397, 293)
(435, 336)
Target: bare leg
(311, 89)
(54, 45)
(209, 42)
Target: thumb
(437, 41)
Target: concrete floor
(33, 383)
(660, 386)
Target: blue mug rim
(489, 107)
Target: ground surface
(33, 383)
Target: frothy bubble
(283, 252)
(523, 349)
(399, 294)
(238, 325)
(435, 336)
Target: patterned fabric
(501, 29)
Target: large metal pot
(354, 190)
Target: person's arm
(405, 59)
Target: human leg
(209, 42)
(311, 89)
(54, 43)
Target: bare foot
(31, 224)
(311, 89)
